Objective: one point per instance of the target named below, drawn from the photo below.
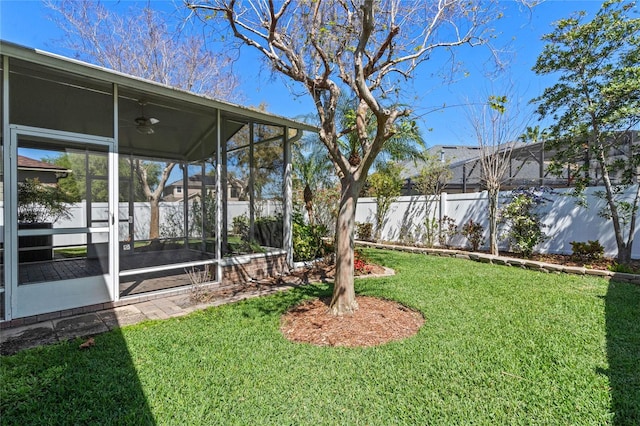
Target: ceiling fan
(144, 125)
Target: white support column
(287, 210)
(113, 183)
(8, 237)
(219, 229)
(252, 197)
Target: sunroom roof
(187, 122)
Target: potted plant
(39, 206)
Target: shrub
(448, 229)
(591, 250)
(621, 267)
(307, 240)
(268, 231)
(38, 203)
(360, 263)
(473, 232)
(241, 226)
(524, 224)
(364, 231)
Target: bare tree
(153, 196)
(368, 49)
(497, 129)
(431, 181)
(142, 42)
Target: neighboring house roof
(452, 154)
(192, 189)
(26, 163)
(528, 162)
(466, 171)
(195, 181)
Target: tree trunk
(343, 300)
(308, 202)
(624, 248)
(493, 221)
(153, 196)
(154, 220)
(624, 255)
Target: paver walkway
(15, 339)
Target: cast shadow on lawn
(282, 302)
(62, 384)
(622, 309)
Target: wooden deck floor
(64, 269)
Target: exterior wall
(253, 267)
(564, 220)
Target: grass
(500, 346)
(235, 245)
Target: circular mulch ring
(377, 321)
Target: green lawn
(500, 345)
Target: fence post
(442, 212)
(443, 206)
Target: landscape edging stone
(533, 265)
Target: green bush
(621, 267)
(268, 231)
(307, 240)
(241, 226)
(524, 224)
(591, 250)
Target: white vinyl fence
(171, 219)
(565, 221)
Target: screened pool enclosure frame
(162, 186)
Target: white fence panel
(565, 221)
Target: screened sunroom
(113, 188)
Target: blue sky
(26, 22)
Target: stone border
(509, 261)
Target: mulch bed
(377, 321)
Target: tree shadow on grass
(623, 351)
(281, 302)
(62, 384)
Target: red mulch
(377, 321)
